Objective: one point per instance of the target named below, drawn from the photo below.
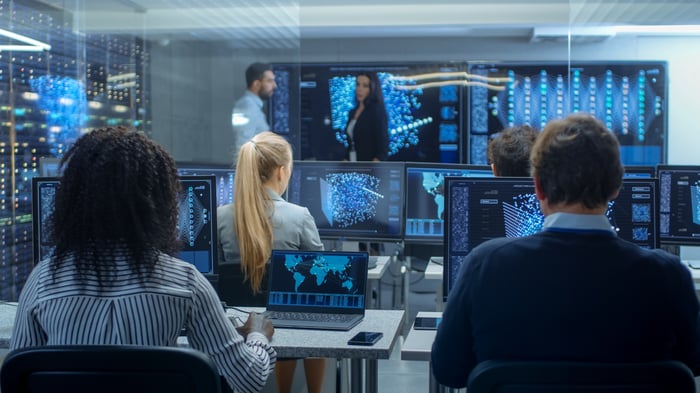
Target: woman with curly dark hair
(113, 279)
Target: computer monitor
(351, 200)
(425, 183)
(639, 171)
(196, 220)
(477, 210)
(679, 204)
(49, 166)
(423, 102)
(224, 174)
(629, 97)
(43, 197)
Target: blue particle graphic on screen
(322, 274)
(640, 234)
(695, 201)
(433, 183)
(522, 217)
(641, 212)
(400, 105)
(349, 198)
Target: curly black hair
(118, 198)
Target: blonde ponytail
(257, 161)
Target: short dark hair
(510, 151)
(577, 160)
(118, 197)
(255, 72)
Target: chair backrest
(494, 376)
(107, 368)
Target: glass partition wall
(170, 68)
(174, 68)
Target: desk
(333, 344)
(418, 345)
(306, 343)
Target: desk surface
(419, 343)
(378, 271)
(333, 344)
(296, 342)
(433, 271)
(7, 320)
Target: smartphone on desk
(426, 323)
(365, 338)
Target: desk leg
(433, 385)
(341, 376)
(371, 375)
(356, 377)
(406, 286)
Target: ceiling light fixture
(32, 45)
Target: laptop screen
(318, 281)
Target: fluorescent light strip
(659, 29)
(32, 44)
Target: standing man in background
(248, 118)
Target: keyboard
(312, 320)
(309, 316)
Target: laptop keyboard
(309, 316)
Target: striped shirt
(134, 310)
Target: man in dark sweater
(574, 291)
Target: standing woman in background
(259, 221)
(368, 138)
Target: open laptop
(317, 289)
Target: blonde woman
(257, 222)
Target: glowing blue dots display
(523, 216)
(351, 198)
(400, 105)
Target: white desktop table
(305, 343)
(333, 344)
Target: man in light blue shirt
(248, 118)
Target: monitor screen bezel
(639, 169)
(675, 240)
(434, 240)
(467, 129)
(398, 165)
(36, 241)
(448, 180)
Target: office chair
(495, 376)
(107, 369)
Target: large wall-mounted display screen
(423, 105)
(630, 98)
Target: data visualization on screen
(477, 210)
(196, 220)
(679, 210)
(352, 200)
(630, 98)
(225, 177)
(425, 197)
